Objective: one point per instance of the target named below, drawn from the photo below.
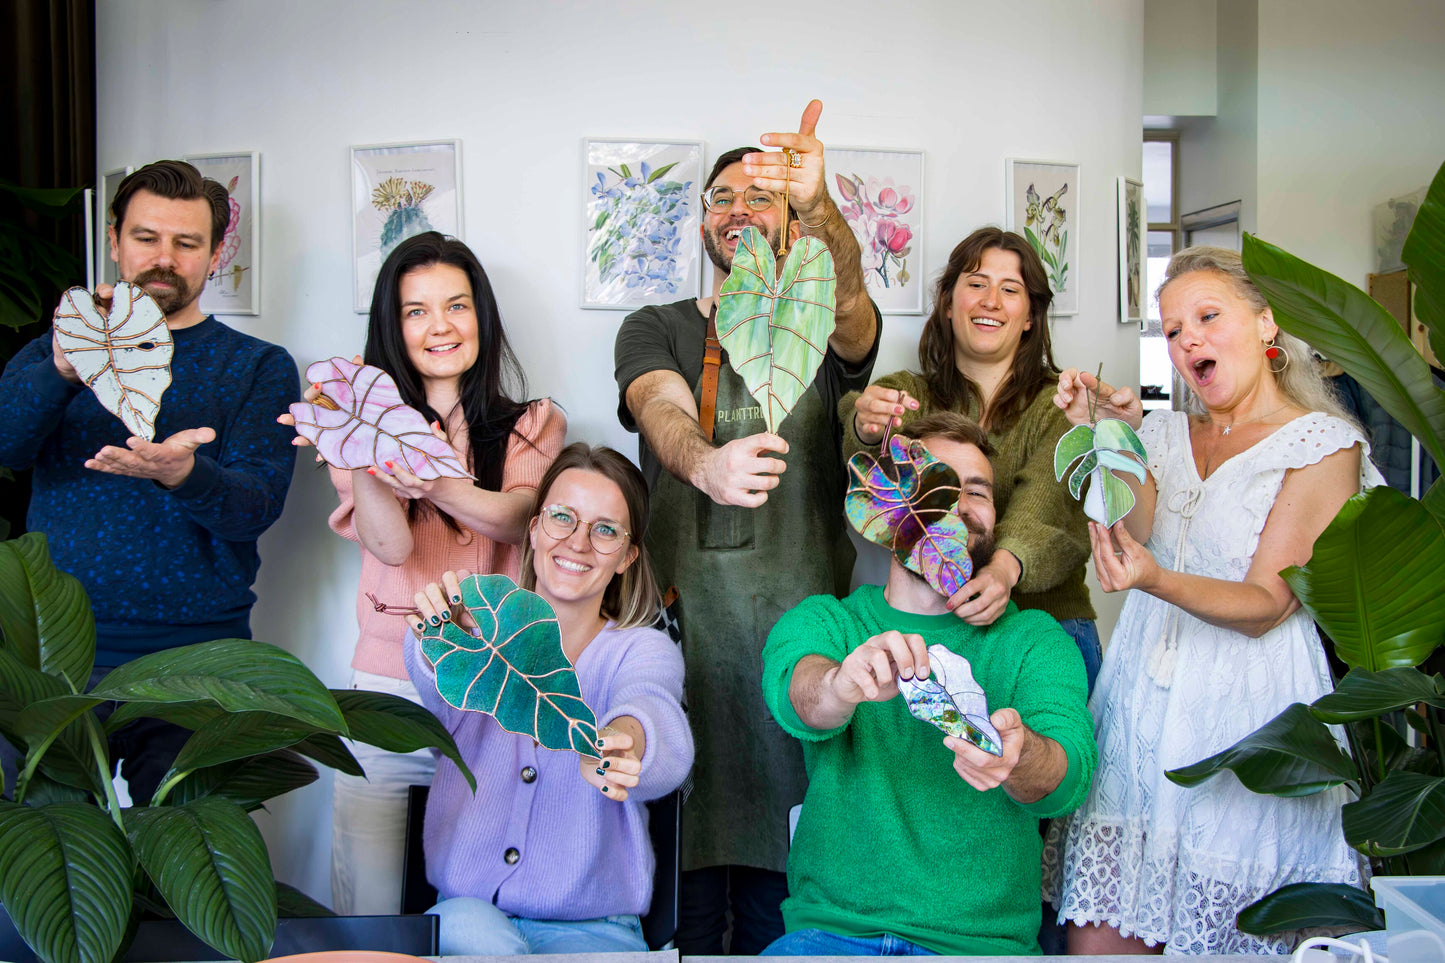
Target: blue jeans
(474, 927)
(823, 943)
(1086, 636)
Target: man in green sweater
(910, 842)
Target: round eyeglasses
(720, 200)
(560, 521)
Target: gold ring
(794, 158)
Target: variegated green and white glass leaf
(1100, 450)
(775, 325)
(514, 669)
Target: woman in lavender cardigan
(551, 855)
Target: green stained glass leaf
(514, 669)
(1101, 450)
(775, 326)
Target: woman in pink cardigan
(436, 330)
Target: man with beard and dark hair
(161, 533)
(745, 524)
(910, 841)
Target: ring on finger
(795, 159)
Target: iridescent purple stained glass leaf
(360, 421)
(906, 500)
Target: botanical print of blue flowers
(636, 237)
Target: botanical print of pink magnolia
(875, 209)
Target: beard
(712, 243)
(177, 296)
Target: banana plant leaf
(1301, 905)
(775, 326)
(360, 421)
(240, 675)
(1351, 329)
(1362, 694)
(1101, 450)
(124, 357)
(65, 880)
(1291, 755)
(514, 669)
(903, 500)
(209, 862)
(1404, 812)
(397, 725)
(45, 616)
(1424, 255)
(1373, 581)
(247, 782)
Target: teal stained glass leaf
(906, 500)
(1101, 451)
(775, 326)
(514, 669)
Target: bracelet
(814, 227)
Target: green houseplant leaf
(65, 880)
(69, 759)
(514, 669)
(774, 326)
(1351, 329)
(209, 862)
(1424, 254)
(397, 725)
(1404, 812)
(1291, 755)
(44, 613)
(239, 675)
(1301, 905)
(247, 782)
(1362, 694)
(1372, 582)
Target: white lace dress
(1158, 861)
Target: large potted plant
(76, 868)
(1376, 585)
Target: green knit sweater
(891, 839)
(1038, 521)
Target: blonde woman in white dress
(1211, 643)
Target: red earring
(1271, 352)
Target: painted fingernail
(435, 621)
(606, 763)
(456, 599)
(371, 471)
(316, 385)
(604, 788)
(446, 616)
(389, 465)
(599, 743)
(421, 626)
(601, 771)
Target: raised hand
(1079, 390)
(168, 462)
(876, 408)
(1120, 561)
(803, 182)
(739, 473)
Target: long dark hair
(1033, 366)
(487, 406)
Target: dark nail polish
(446, 616)
(599, 743)
(435, 621)
(421, 626)
(601, 772)
(604, 788)
(456, 599)
(606, 763)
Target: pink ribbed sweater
(436, 548)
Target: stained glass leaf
(1101, 449)
(124, 357)
(905, 500)
(775, 326)
(951, 699)
(514, 669)
(360, 421)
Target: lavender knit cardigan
(575, 853)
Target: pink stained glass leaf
(904, 500)
(360, 421)
(124, 357)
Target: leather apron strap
(711, 362)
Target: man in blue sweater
(161, 533)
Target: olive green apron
(738, 570)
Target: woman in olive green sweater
(985, 353)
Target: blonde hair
(631, 598)
(1302, 383)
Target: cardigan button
(529, 774)
(512, 855)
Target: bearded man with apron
(742, 537)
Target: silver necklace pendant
(1228, 429)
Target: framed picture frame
(1042, 204)
(879, 191)
(109, 183)
(641, 212)
(1131, 250)
(235, 287)
(398, 190)
(90, 258)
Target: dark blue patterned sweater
(162, 567)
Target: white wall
(520, 84)
(1350, 101)
(1180, 66)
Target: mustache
(163, 275)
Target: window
(1161, 199)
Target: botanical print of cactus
(1045, 226)
(635, 237)
(401, 201)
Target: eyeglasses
(718, 200)
(560, 521)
